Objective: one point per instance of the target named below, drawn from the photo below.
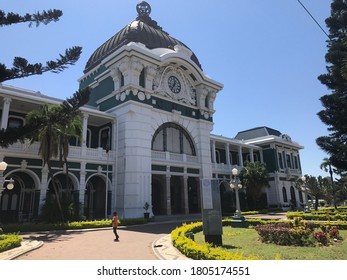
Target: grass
(246, 241)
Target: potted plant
(146, 214)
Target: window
(217, 157)
(289, 164)
(296, 165)
(142, 80)
(121, 80)
(171, 137)
(284, 193)
(280, 160)
(15, 122)
(104, 140)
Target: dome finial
(143, 9)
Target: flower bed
(296, 233)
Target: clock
(174, 84)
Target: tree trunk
(56, 192)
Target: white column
(240, 156)
(261, 156)
(227, 153)
(5, 112)
(85, 117)
(213, 151)
(44, 187)
(82, 187)
(185, 194)
(251, 156)
(168, 195)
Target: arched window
(142, 81)
(172, 138)
(284, 192)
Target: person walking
(115, 225)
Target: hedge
(34, 227)
(196, 251)
(319, 215)
(9, 241)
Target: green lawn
(246, 240)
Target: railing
(171, 157)
(223, 168)
(292, 172)
(74, 151)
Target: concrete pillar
(227, 154)
(82, 187)
(185, 194)
(240, 156)
(251, 155)
(213, 151)
(168, 195)
(5, 112)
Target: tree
(72, 129)
(254, 176)
(313, 186)
(341, 186)
(54, 141)
(67, 111)
(326, 165)
(335, 113)
(21, 67)
(48, 136)
(52, 125)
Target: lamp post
(235, 184)
(10, 185)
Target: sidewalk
(162, 248)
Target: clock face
(174, 84)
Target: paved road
(135, 244)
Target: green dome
(142, 30)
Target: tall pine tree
(21, 68)
(335, 103)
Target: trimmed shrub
(196, 251)
(9, 241)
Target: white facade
(153, 106)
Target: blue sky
(267, 54)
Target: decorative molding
(160, 85)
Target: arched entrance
(19, 204)
(293, 203)
(174, 191)
(95, 198)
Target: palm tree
(48, 137)
(71, 129)
(54, 140)
(314, 186)
(326, 165)
(254, 176)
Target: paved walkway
(151, 241)
(144, 242)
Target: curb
(26, 246)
